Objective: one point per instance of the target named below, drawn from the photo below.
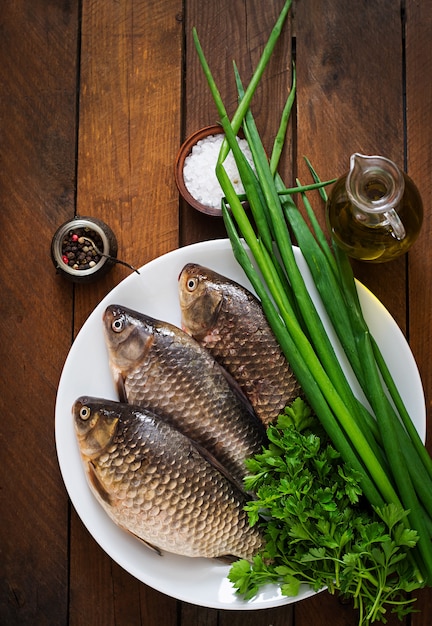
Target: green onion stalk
(377, 438)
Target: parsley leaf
(318, 528)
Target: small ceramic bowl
(83, 249)
(183, 153)
(186, 149)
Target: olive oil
(363, 225)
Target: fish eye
(84, 413)
(192, 284)
(117, 325)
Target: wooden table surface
(96, 97)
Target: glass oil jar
(374, 212)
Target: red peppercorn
(65, 259)
(74, 237)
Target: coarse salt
(199, 170)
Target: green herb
(319, 529)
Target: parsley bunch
(319, 530)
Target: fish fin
(151, 546)
(227, 559)
(233, 383)
(146, 543)
(97, 485)
(121, 389)
(208, 456)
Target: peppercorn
(81, 248)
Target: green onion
(384, 448)
(283, 126)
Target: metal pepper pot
(83, 249)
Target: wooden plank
(419, 130)
(350, 99)
(279, 616)
(37, 112)
(231, 31)
(419, 159)
(129, 130)
(191, 614)
(194, 614)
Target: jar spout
(359, 164)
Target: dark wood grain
(129, 129)
(96, 98)
(37, 180)
(350, 99)
(419, 164)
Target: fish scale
(159, 367)
(153, 481)
(227, 320)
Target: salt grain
(199, 170)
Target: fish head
(201, 297)
(95, 423)
(128, 336)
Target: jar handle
(395, 225)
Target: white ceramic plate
(154, 291)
